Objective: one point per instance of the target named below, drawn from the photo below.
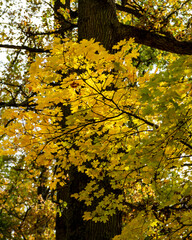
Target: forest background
(95, 125)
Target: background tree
(165, 122)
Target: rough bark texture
(96, 20)
(70, 225)
(99, 21)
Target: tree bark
(69, 222)
(153, 40)
(96, 20)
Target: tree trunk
(97, 19)
(69, 222)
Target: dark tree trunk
(69, 223)
(97, 19)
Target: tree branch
(68, 26)
(30, 49)
(135, 12)
(28, 104)
(186, 144)
(154, 40)
(173, 12)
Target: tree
(101, 137)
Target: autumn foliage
(117, 119)
(123, 127)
